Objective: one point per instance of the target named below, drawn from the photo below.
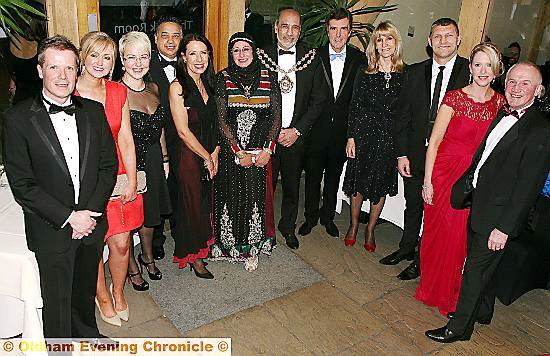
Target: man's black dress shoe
(445, 335)
(306, 228)
(332, 229)
(450, 315)
(411, 272)
(291, 240)
(396, 257)
(158, 252)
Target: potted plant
(314, 24)
(14, 13)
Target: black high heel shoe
(154, 276)
(205, 275)
(139, 287)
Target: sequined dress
(443, 247)
(243, 200)
(372, 172)
(193, 230)
(147, 129)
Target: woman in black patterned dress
(249, 113)
(147, 118)
(370, 172)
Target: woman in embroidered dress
(193, 111)
(97, 53)
(249, 114)
(461, 123)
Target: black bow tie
(282, 51)
(54, 108)
(164, 63)
(509, 111)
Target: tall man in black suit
(168, 35)
(326, 148)
(303, 97)
(61, 163)
(505, 177)
(424, 86)
(254, 25)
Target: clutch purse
(122, 182)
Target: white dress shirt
(336, 69)
(169, 70)
(446, 76)
(498, 132)
(67, 134)
(286, 61)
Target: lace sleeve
(221, 104)
(275, 98)
(452, 98)
(356, 104)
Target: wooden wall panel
(70, 17)
(472, 22)
(223, 18)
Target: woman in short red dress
(97, 53)
(462, 121)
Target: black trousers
(288, 162)
(476, 300)
(414, 210)
(68, 282)
(327, 159)
(158, 232)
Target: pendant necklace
(387, 75)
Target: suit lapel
(348, 65)
(300, 52)
(457, 68)
(83, 128)
(327, 70)
(428, 86)
(43, 125)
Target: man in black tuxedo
(303, 98)
(506, 176)
(254, 25)
(424, 86)
(168, 35)
(61, 163)
(326, 146)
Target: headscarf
(247, 76)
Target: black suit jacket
(332, 125)
(411, 124)
(254, 26)
(158, 76)
(310, 90)
(39, 177)
(511, 178)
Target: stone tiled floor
(360, 309)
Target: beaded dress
(147, 118)
(443, 247)
(372, 172)
(244, 223)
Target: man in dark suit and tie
(168, 35)
(506, 175)
(327, 140)
(303, 97)
(254, 25)
(61, 163)
(424, 86)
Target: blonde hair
(97, 41)
(495, 57)
(135, 38)
(385, 29)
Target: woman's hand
(130, 193)
(262, 159)
(215, 155)
(246, 161)
(350, 148)
(428, 193)
(209, 164)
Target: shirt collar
(332, 51)
(168, 59)
(293, 49)
(449, 64)
(66, 103)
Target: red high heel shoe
(369, 247)
(349, 242)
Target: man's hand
(404, 167)
(497, 240)
(350, 148)
(83, 223)
(262, 159)
(246, 161)
(287, 137)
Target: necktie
(164, 63)
(509, 111)
(282, 51)
(54, 108)
(334, 56)
(435, 100)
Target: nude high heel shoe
(122, 314)
(112, 320)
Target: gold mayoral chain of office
(285, 83)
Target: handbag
(122, 182)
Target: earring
(471, 79)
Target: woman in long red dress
(462, 121)
(97, 52)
